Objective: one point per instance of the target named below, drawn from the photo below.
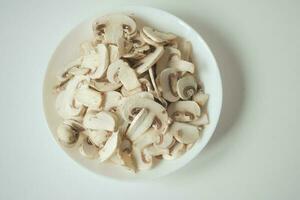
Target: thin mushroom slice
(75, 124)
(184, 111)
(200, 98)
(110, 147)
(144, 64)
(165, 80)
(79, 71)
(177, 150)
(158, 36)
(128, 78)
(181, 65)
(98, 137)
(86, 48)
(158, 94)
(105, 86)
(127, 93)
(162, 63)
(129, 161)
(88, 97)
(154, 151)
(88, 150)
(113, 70)
(100, 121)
(142, 122)
(148, 138)
(186, 86)
(164, 141)
(67, 135)
(112, 100)
(203, 120)
(113, 53)
(184, 133)
(64, 74)
(149, 40)
(185, 48)
(143, 161)
(103, 58)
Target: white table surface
(254, 153)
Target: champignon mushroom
(131, 103)
(149, 40)
(186, 86)
(128, 77)
(184, 133)
(158, 36)
(148, 138)
(103, 58)
(113, 53)
(200, 98)
(164, 141)
(157, 92)
(110, 147)
(154, 151)
(67, 135)
(185, 48)
(141, 122)
(105, 86)
(113, 27)
(86, 48)
(184, 111)
(103, 120)
(203, 120)
(88, 150)
(181, 65)
(113, 70)
(177, 150)
(98, 137)
(112, 100)
(142, 160)
(88, 97)
(162, 63)
(166, 79)
(144, 64)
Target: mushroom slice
(164, 141)
(79, 71)
(177, 150)
(128, 77)
(113, 53)
(116, 158)
(105, 86)
(146, 139)
(88, 97)
(162, 63)
(149, 40)
(142, 122)
(203, 120)
(86, 48)
(103, 59)
(181, 65)
(165, 80)
(111, 100)
(142, 160)
(200, 98)
(144, 64)
(64, 74)
(154, 151)
(185, 48)
(65, 100)
(184, 133)
(67, 135)
(158, 36)
(130, 104)
(113, 70)
(186, 86)
(75, 124)
(88, 150)
(98, 137)
(184, 111)
(100, 121)
(113, 27)
(110, 147)
(129, 161)
(91, 61)
(127, 93)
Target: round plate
(207, 71)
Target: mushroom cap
(184, 133)
(184, 111)
(134, 102)
(186, 86)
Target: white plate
(207, 71)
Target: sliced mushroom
(88, 97)
(127, 93)
(75, 124)
(164, 141)
(184, 111)
(129, 161)
(149, 40)
(88, 150)
(148, 138)
(112, 100)
(113, 27)
(186, 86)
(131, 103)
(200, 98)
(103, 58)
(100, 121)
(86, 48)
(158, 95)
(79, 71)
(184, 133)
(141, 122)
(144, 64)
(166, 79)
(158, 36)
(181, 65)
(113, 53)
(91, 61)
(98, 137)
(128, 78)
(67, 135)
(203, 120)
(177, 150)
(64, 75)
(113, 70)
(110, 147)
(162, 63)
(185, 48)
(142, 160)
(154, 151)
(105, 86)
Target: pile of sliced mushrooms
(132, 97)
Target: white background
(254, 153)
